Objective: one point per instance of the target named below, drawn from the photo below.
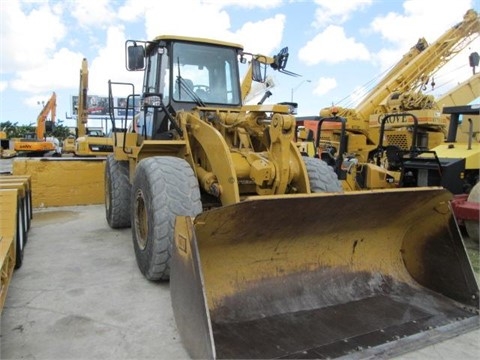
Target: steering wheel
(201, 87)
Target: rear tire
(163, 188)
(321, 176)
(117, 193)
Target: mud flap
(321, 275)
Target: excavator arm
(82, 113)
(49, 108)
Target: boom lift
(88, 143)
(37, 144)
(266, 257)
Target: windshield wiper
(183, 85)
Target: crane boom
(416, 73)
(462, 94)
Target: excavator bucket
(360, 274)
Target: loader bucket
(359, 274)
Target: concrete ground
(80, 295)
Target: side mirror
(135, 57)
(257, 73)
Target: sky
(341, 48)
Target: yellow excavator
(5, 151)
(266, 256)
(37, 144)
(88, 142)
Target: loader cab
(182, 74)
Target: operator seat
(202, 94)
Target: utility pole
(296, 87)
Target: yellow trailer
(8, 235)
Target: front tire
(117, 193)
(163, 188)
(321, 176)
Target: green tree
(13, 130)
(60, 131)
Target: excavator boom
(49, 108)
(82, 106)
(86, 143)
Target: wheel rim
(141, 220)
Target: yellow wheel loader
(266, 256)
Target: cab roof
(197, 40)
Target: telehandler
(266, 256)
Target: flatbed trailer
(15, 220)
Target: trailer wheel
(163, 188)
(117, 193)
(21, 236)
(322, 177)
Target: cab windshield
(205, 74)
